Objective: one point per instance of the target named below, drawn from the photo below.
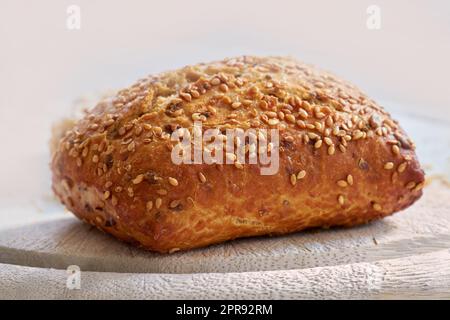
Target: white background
(44, 67)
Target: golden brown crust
(343, 160)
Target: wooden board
(403, 256)
(406, 255)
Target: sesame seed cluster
(117, 156)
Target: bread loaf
(342, 160)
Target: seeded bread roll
(343, 160)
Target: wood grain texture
(421, 276)
(404, 256)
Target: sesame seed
(318, 144)
(212, 109)
(357, 135)
(114, 200)
(131, 147)
(302, 113)
(161, 192)
(238, 165)
(419, 186)
(402, 167)
(173, 181)
(320, 115)
(376, 206)
(289, 138)
(157, 130)
(201, 177)
(394, 176)
(195, 94)
(341, 199)
(95, 158)
(293, 179)
(215, 81)
(350, 179)
(174, 204)
(273, 122)
(318, 126)
(290, 118)
(389, 165)
(108, 184)
(106, 195)
(130, 192)
(158, 203)
(186, 96)
(138, 179)
(236, 105)
(301, 124)
(342, 183)
(147, 126)
(336, 130)
(223, 87)
(149, 206)
(331, 150)
(410, 185)
(395, 149)
(301, 174)
(138, 130)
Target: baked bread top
(334, 141)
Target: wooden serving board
(403, 256)
(406, 255)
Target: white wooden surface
(407, 255)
